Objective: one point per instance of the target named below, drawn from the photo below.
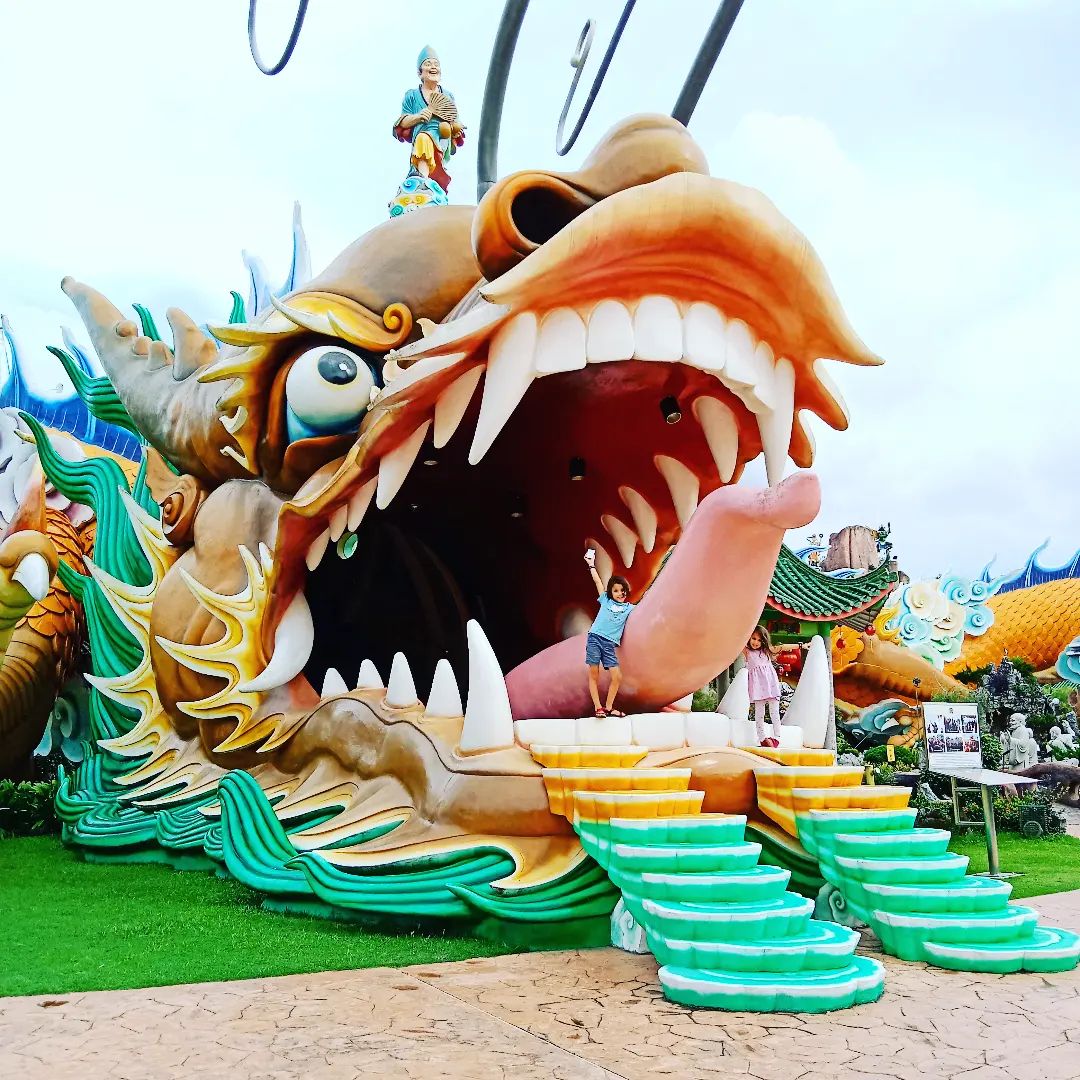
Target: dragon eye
(327, 389)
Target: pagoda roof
(801, 592)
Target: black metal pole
(705, 60)
(502, 54)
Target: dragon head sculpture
(453, 407)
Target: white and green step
(724, 929)
(918, 898)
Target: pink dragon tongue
(696, 617)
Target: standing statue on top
(429, 123)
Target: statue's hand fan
(445, 108)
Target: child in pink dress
(763, 683)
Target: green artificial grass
(1051, 864)
(68, 925)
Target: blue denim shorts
(599, 649)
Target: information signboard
(952, 735)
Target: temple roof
(799, 591)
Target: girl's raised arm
(590, 558)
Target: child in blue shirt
(605, 634)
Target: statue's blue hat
(426, 53)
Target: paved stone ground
(560, 1016)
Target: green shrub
(884, 774)
(905, 757)
(932, 811)
(842, 745)
(705, 700)
(992, 750)
(26, 808)
(1038, 805)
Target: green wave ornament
(97, 393)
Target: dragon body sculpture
(1033, 614)
(372, 476)
(41, 625)
(312, 426)
(41, 622)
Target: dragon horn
(148, 381)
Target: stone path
(563, 1016)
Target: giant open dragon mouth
(532, 420)
(529, 424)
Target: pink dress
(761, 675)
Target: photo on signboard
(954, 744)
(933, 726)
(971, 744)
(936, 744)
(952, 725)
(970, 724)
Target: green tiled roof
(800, 591)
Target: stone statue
(429, 123)
(1062, 743)
(1023, 750)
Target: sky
(926, 147)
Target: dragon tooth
(333, 684)
(293, 642)
(338, 520)
(445, 697)
(705, 338)
(721, 433)
(401, 688)
(458, 332)
(735, 704)
(832, 392)
(560, 344)
(740, 369)
(451, 406)
(683, 485)
(33, 574)
(763, 393)
(611, 333)
(489, 722)
(657, 329)
(509, 373)
(775, 423)
(369, 677)
(643, 514)
(803, 428)
(359, 502)
(394, 467)
(317, 550)
(626, 540)
(811, 706)
(417, 370)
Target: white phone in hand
(590, 557)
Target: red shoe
(771, 743)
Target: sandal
(600, 714)
(615, 712)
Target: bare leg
(774, 716)
(613, 689)
(594, 691)
(759, 720)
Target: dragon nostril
(540, 212)
(521, 213)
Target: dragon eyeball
(328, 387)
